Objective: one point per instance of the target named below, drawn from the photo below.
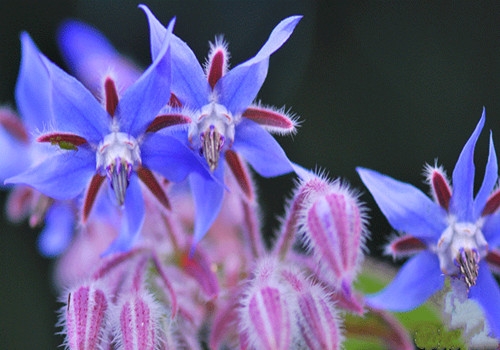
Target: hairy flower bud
(318, 322)
(333, 228)
(136, 323)
(318, 326)
(85, 317)
(266, 313)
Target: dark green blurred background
(388, 85)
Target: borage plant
(142, 181)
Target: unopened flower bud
(138, 320)
(266, 314)
(85, 317)
(334, 230)
(319, 325)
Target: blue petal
(33, 87)
(189, 82)
(170, 157)
(132, 218)
(406, 208)
(90, 56)
(143, 100)
(157, 32)
(261, 150)
(239, 87)
(207, 195)
(491, 229)
(489, 181)
(62, 176)
(463, 178)
(418, 279)
(58, 231)
(303, 173)
(487, 294)
(15, 156)
(73, 108)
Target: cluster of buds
(231, 291)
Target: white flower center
(212, 132)
(117, 155)
(459, 249)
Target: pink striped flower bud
(266, 313)
(318, 325)
(136, 323)
(333, 228)
(85, 317)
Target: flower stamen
(212, 142)
(460, 248)
(118, 154)
(214, 126)
(468, 262)
(119, 176)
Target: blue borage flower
(19, 150)
(114, 142)
(455, 235)
(223, 122)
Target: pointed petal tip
(291, 21)
(287, 25)
(27, 44)
(144, 8)
(463, 176)
(480, 124)
(171, 24)
(149, 13)
(295, 19)
(483, 117)
(26, 39)
(239, 87)
(360, 169)
(365, 174)
(24, 36)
